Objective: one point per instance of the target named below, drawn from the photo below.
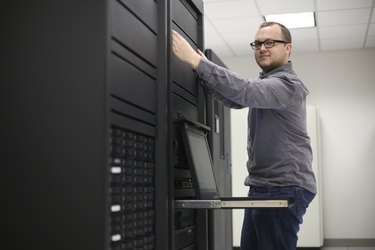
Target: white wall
(238, 118)
(342, 87)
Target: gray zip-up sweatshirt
(278, 144)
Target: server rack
(91, 156)
(55, 125)
(188, 99)
(218, 118)
(80, 129)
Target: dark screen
(202, 161)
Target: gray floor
(348, 248)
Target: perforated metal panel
(132, 190)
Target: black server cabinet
(82, 142)
(54, 129)
(133, 81)
(188, 99)
(218, 117)
(90, 152)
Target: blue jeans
(274, 228)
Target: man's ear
(289, 48)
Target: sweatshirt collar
(285, 67)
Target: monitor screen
(201, 159)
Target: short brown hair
(284, 30)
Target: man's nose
(263, 46)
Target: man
(279, 149)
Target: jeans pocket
(303, 200)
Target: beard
(266, 63)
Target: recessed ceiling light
(293, 20)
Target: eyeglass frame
(252, 44)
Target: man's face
(271, 58)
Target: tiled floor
(348, 248)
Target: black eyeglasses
(268, 44)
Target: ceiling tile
(285, 6)
(239, 43)
(334, 44)
(242, 49)
(208, 28)
(342, 4)
(234, 25)
(304, 34)
(341, 17)
(215, 42)
(222, 51)
(211, 37)
(306, 45)
(341, 32)
(229, 9)
(239, 39)
(231, 24)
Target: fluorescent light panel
(293, 20)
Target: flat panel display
(201, 162)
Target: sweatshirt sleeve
(270, 92)
(228, 103)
